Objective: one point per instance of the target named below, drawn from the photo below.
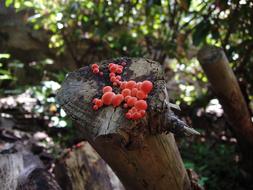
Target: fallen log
(139, 151)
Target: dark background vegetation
(40, 41)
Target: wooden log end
(81, 86)
(210, 54)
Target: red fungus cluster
(95, 69)
(132, 94)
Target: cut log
(82, 168)
(22, 170)
(11, 166)
(138, 152)
(224, 83)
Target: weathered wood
(22, 170)
(224, 83)
(11, 166)
(142, 158)
(82, 168)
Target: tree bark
(140, 155)
(224, 83)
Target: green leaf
(8, 3)
(4, 72)
(189, 164)
(5, 75)
(5, 55)
(28, 4)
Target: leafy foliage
(217, 165)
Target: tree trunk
(140, 155)
(224, 83)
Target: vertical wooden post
(216, 66)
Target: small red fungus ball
(107, 89)
(110, 64)
(112, 75)
(118, 77)
(93, 66)
(142, 112)
(95, 107)
(128, 115)
(113, 68)
(141, 95)
(107, 98)
(134, 109)
(127, 97)
(101, 73)
(123, 63)
(125, 105)
(113, 79)
(147, 86)
(131, 101)
(117, 99)
(134, 91)
(126, 92)
(115, 83)
(96, 70)
(79, 145)
(119, 71)
(136, 115)
(99, 103)
(130, 84)
(95, 100)
(123, 85)
(130, 111)
(139, 85)
(141, 105)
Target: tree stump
(139, 152)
